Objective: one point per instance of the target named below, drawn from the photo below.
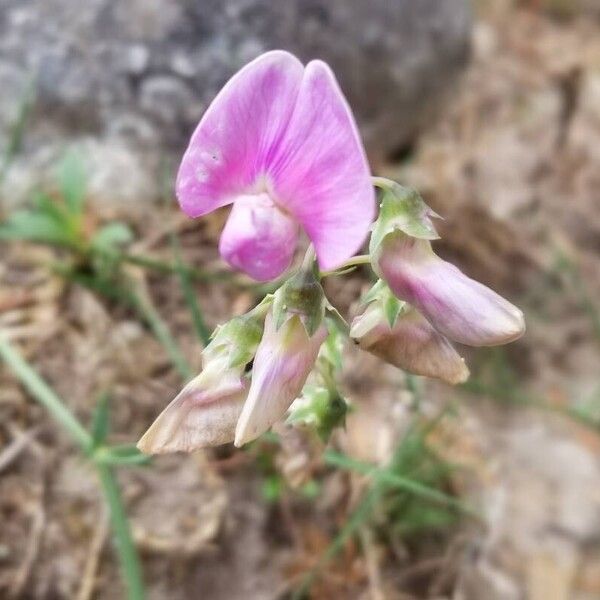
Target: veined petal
(461, 308)
(259, 238)
(319, 171)
(283, 361)
(235, 138)
(412, 344)
(203, 414)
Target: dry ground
(514, 166)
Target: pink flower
(462, 309)
(279, 142)
(283, 362)
(412, 344)
(204, 413)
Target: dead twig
(31, 552)
(19, 443)
(88, 581)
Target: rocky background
(493, 112)
(128, 81)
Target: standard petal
(201, 415)
(259, 238)
(461, 308)
(319, 171)
(412, 345)
(238, 132)
(283, 361)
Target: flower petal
(236, 136)
(283, 361)
(259, 238)
(412, 345)
(461, 308)
(320, 173)
(201, 415)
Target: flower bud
(203, 414)
(408, 342)
(462, 309)
(283, 362)
(206, 411)
(320, 408)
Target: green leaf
(112, 236)
(101, 420)
(272, 488)
(72, 183)
(45, 204)
(33, 226)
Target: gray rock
(159, 62)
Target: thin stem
(40, 390)
(167, 267)
(382, 182)
(129, 561)
(360, 259)
(397, 481)
(144, 307)
(162, 333)
(185, 280)
(48, 398)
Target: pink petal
(234, 141)
(320, 172)
(259, 238)
(461, 308)
(203, 414)
(412, 345)
(283, 361)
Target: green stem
(382, 182)
(162, 333)
(397, 481)
(189, 294)
(129, 561)
(167, 267)
(44, 394)
(40, 390)
(355, 261)
(121, 291)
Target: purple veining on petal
(286, 130)
(461, 308)
(283, 361)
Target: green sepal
(391, 306)
(332, 348)
(403, 209)
(322, 409)
(375, 292)
(240, 336)
(301, 294)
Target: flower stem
(129, 561)
(355, 261)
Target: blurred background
(492, 111)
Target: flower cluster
(280, 144)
